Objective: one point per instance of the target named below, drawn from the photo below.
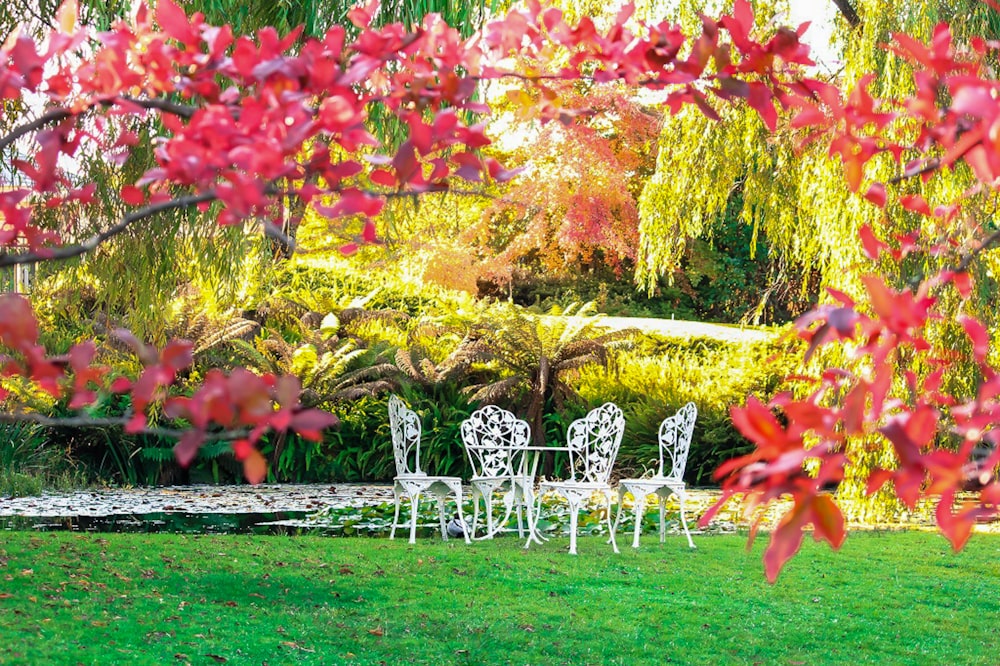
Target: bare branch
(121, 421)
(47, 118)
(91, 243)
(848, 11)
(271, 230)
(182, 110)
(57, 115)
(987, 243)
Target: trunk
(848, 11)
(538, 413)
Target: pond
(287, 509)
(201, 509)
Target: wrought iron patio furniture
(593, 442)
(410, 480)
(674, 443)
(495, 441)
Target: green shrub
(31, 462)
(660, 375)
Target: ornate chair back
(404, 425)
(493, 438)
(593, 443)
(675, 441)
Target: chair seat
(651, 484)
(426, 477)
(523, 479)
(574, 485)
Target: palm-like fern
(416, 362)
(540, 356)
(330, 370)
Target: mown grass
(886, 598)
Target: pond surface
(264, 509)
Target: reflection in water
(172, 522)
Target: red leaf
(963, 283)
(254, 467)
(828, 521)
(978, 334)
(870, 242)
(133, 196)
(187, 447)
(877, 479)
(876, 194)
(786, 540)
(915, 203)
(242, 449)
(882, 299)
(369, 234)
(310, 423)
(173, 21)
(854, 171)
(756, 422)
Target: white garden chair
(411, 481)
(495, 442)
(593, 443)
(675, 442)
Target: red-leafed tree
(572, 208)
(249, 123)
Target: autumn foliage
(248, 123)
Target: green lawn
(886, 598)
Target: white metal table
(535, 454)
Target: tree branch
(967, 260)
(121, 421)
(848, 12)
(58, 115)
(47, 118)
(91, 243)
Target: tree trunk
(848, 11)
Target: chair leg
(611, 530)
(640, 506)
(443, 520)
(489, 514)
(618, 513)
(414, 505)
(574, 517)
(395, 518)
(680, 497)
(534, 513)
(476, 494)
(458, 509)
(663, 520)
(519, 501)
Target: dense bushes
(352, 339)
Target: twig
(58, 115)
(97, 422)
(966, 261)
(91, 243)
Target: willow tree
(795, 194)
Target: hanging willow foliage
(797, 196)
